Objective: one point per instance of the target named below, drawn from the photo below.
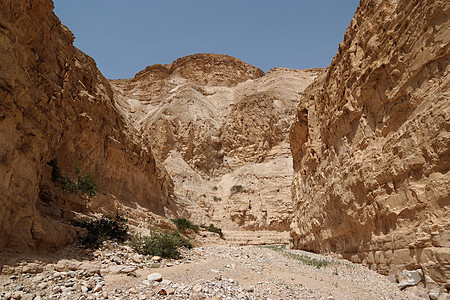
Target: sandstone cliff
(220, 126)
(371, 144)
(55, 104)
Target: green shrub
(70, 187)
(103, 229)
(215, 188)
(87, 185)
(215, 198)
(318, 263)
(236, 189)
(213, 228)
(84, 183)
(183, 225)
(161, 244)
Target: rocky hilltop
(220, 126)
(57, 119)
(371, 144)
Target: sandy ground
(209, 272)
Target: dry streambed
(214, 272)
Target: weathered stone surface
(154, 277)
(55, 104)
(409, 278)
(67, 265)
(371, 144)
(121, 269)
(221, 131)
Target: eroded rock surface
(55, 104)
(371, 144)
(220, 126)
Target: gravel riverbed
(214, 272)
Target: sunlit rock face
(55, 104)
(221, 128)
(370, 143)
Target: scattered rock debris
(216, 272)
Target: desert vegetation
(163, 244)
(103, 229)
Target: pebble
(97, 288)
(197, 288)
(78, 279)
(17, 295)
(154, 277)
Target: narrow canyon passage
(214, 174)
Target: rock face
(370, 143)
(220, 126)
(55, 104)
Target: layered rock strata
(370, 143)
(56, 106)
(220, 126)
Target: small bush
(87, 185)
(215, 188)
(183, 225)
(161, 244)
(213, 228)
(103, 229)
(84, 183)
(215, 198)
(70, 187)
(236, 189)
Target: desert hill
(223, 136)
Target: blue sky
(125, 36)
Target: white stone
(409, 278)
(197, 288)
(154, 277)
(97, 288)
(146, 282)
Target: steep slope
(371, 144)
(56, 105)
(221, 128)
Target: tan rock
(137, 258)
(33, 268)
(170, 291)
(221, 131)
(17, 295)
(57, 105)
(90, 267)
(67, 265)
(197, 288)
(370, 143)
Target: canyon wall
(221, 128)
(56, 106)
(370, 143)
